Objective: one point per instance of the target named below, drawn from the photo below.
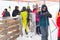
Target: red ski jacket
(58, 24)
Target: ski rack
(10, 28)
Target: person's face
(59, 13)
(39, 9)
(44, 9)
(4, 10)
(18, 8)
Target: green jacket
(44, 19)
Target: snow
(53, 8)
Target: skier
(29, 11)
(44, 22)
(15, 11)
(37, 12)
(58, 24)
(24, 15)
(5, 13)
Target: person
(36, 12)
(15, 11)
(24, 15)
(29, 11)
(58, 24)
(37, 21)
(5, 13)
(44, 21)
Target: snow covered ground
(53, 8)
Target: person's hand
(46, 13)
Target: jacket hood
(59, 10)
(24, 9)
(43, 7)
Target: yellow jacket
(24, 15)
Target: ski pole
(54, 25)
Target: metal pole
(59, 4)
(44, 1)
(18, 2)
(28, 3)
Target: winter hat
(16, 7)
(24, 9)
(28, 7)
(5, 9)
